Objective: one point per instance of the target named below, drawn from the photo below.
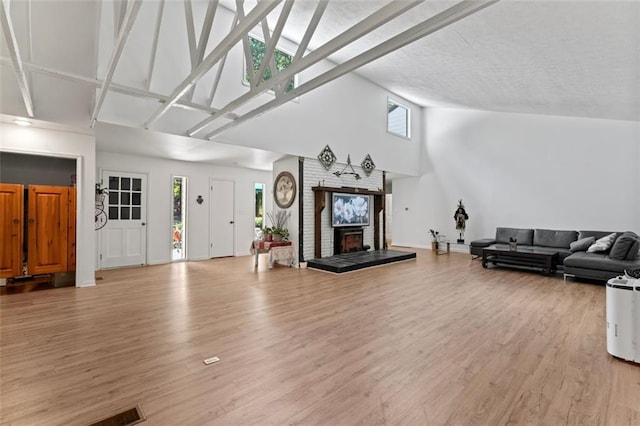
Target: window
(178, 218)
(398, 119)
(282, 61)
(259, 205)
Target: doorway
(222, 222)
(124, 237)
(179, 218)
(258, 197)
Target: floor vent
(128, 417)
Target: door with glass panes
(124, 237)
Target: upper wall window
(281, 59)
(398, 119)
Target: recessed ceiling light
(22, 122)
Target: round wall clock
(284, 191)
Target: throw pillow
(603, 244)
(582, 244)
(634, 251)
(621, 247)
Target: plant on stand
(434, 239)
(278, 230)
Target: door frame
(145, 197)
(233, 182)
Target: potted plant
(279, 222)
(434, 239)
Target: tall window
(259, 205)
(179, 218)
(398, 119)
(281, 59)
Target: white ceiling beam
(311, 29)
(306, 38)
(261, 10)
(191, 32)
(115, 87)
(272, 41)
(206, 29)
(125, 30)
(154, 45)
(16, 59)
(370, 23)
(431, 25)
(119, 12)
(203, 40)
(216, 81)
(248, 57)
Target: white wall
(291, 165)
(160, 172)
(522, 171)
(66, 143)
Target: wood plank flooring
(434, 341)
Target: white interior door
(222, 221)
(124, 237)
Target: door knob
(231, 222)
(143, 224)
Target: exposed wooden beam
(118, 88)
(272, 41)
(125, 30)
(154, 45)
(216, 81)
(16, 59)
(370, 23)
(261, 10)
(429, 26)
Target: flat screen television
(349, 209)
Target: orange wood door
(71, 249)
(11, 231)
(48, 228)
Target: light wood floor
(438, 340)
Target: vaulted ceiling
(144, 63)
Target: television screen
(349, 209)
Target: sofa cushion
(522, 236)
(603, 244)
(599, 261)
(485, 242)
(622, 245)
(552, 238)
(582, 245)
(596, 234)
(634, 251)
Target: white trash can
(623, 317)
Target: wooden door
(11, 231)
(71, 246)
(222, 221)
(48, 228)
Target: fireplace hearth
(347, 240)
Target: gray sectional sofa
(623, 254)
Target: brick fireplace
(347, 240)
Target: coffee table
(545, 259)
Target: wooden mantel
(320, 203)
